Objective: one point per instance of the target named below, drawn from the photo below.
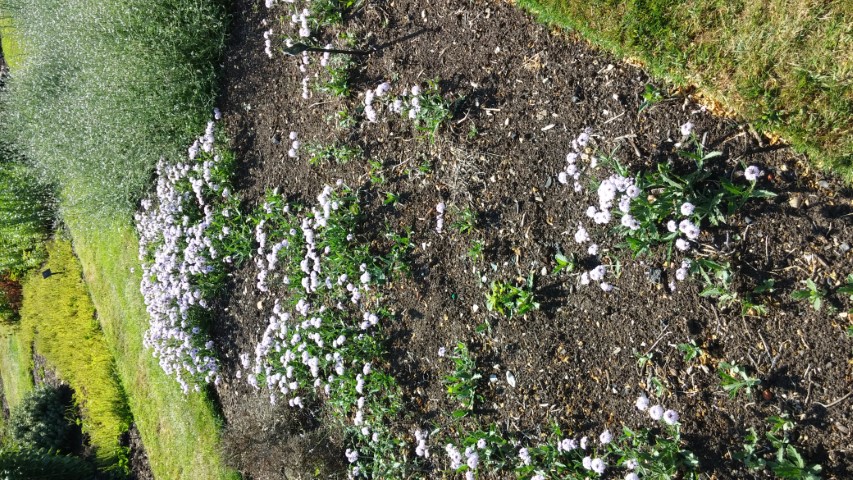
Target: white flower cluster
(422, 450)
(572, 170)
(471, 458)
(656, 412)
(380, 91)
(294, 145)
(176, 249)
(268, 42)
(439, 218)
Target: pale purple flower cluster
(300, 19)
(683, 270)
(656, 412)
(294, 145)
(686, 129)
(173, 251)
(422, 450)
(572, 170)
(439, 218)
(268, 42)
(753, 173)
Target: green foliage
(786, 462)
(783, 65)
(691, 350)
(658, 455)
(333, 12)
(26, 215)
(462, 383)
(509, 300)
(107, 88)
(812, 294)
(714, 198)
(735, 378)
(41, 422)
(61, 318)
(40, 464)
(340, 69)
(568, 264)
(466, 220)
(434, 110)
(475, 252)
(847, 288)
(651, 96)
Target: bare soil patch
(524, 93)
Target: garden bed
(517, 103)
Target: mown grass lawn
(784, 66)
(181, 433)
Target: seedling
(339, 153)
(651, 96)
(332, 12)
(691, 350)
(564, 263)
(462, 383)
(376, 173)
(391, 198)
(734, 378)
(749, 306)
(786, 462)
(510, 300)
(466, 220)
(339, 68)
(811, 294)
(476, 251)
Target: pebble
(510, 379)
(844, 247)
(795, 201)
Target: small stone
(260, 305)
(795, 201)
(747, 220)
(276, 139)
(823, 184)
(510, 379)
(844, 247)
(493, 378)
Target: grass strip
(785, 66)
(181, 433)
(16, 365)
(60, 318)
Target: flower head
(752, 173)
(670, 417)
(656, 412)
(642, 402)
(686, 129)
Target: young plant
(475, 253)
(786, 462)
(376, 172)
(338, 153)
(466, 220)
(691, 350)
(462, 383)
(430, 109)
(567, 263)
(734, 378)
(651, 96)
(750, 306)
(340, 69)
(811, 294)
(391, 198)
(510, 300)
(717, 278)
(332, 12)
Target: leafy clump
(41, 421)
(509, 300)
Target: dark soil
(140, 469)
(573, 360)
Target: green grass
(785, 66)
(12, 49)
(181, 433)
(107, 87)
(60, 318)
(16, 365)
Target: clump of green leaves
(466, 220)
(40, 422)
(332, 12)
(433, 112)
(568, 263)
(651, 96)
(691, 350)
(462, 383)
(735, 378)
(847, 289)
(340, 69)
(475, 252)
(338, 153)
(785, 462)
(812, 294)
(509, 300)
(717, 280)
